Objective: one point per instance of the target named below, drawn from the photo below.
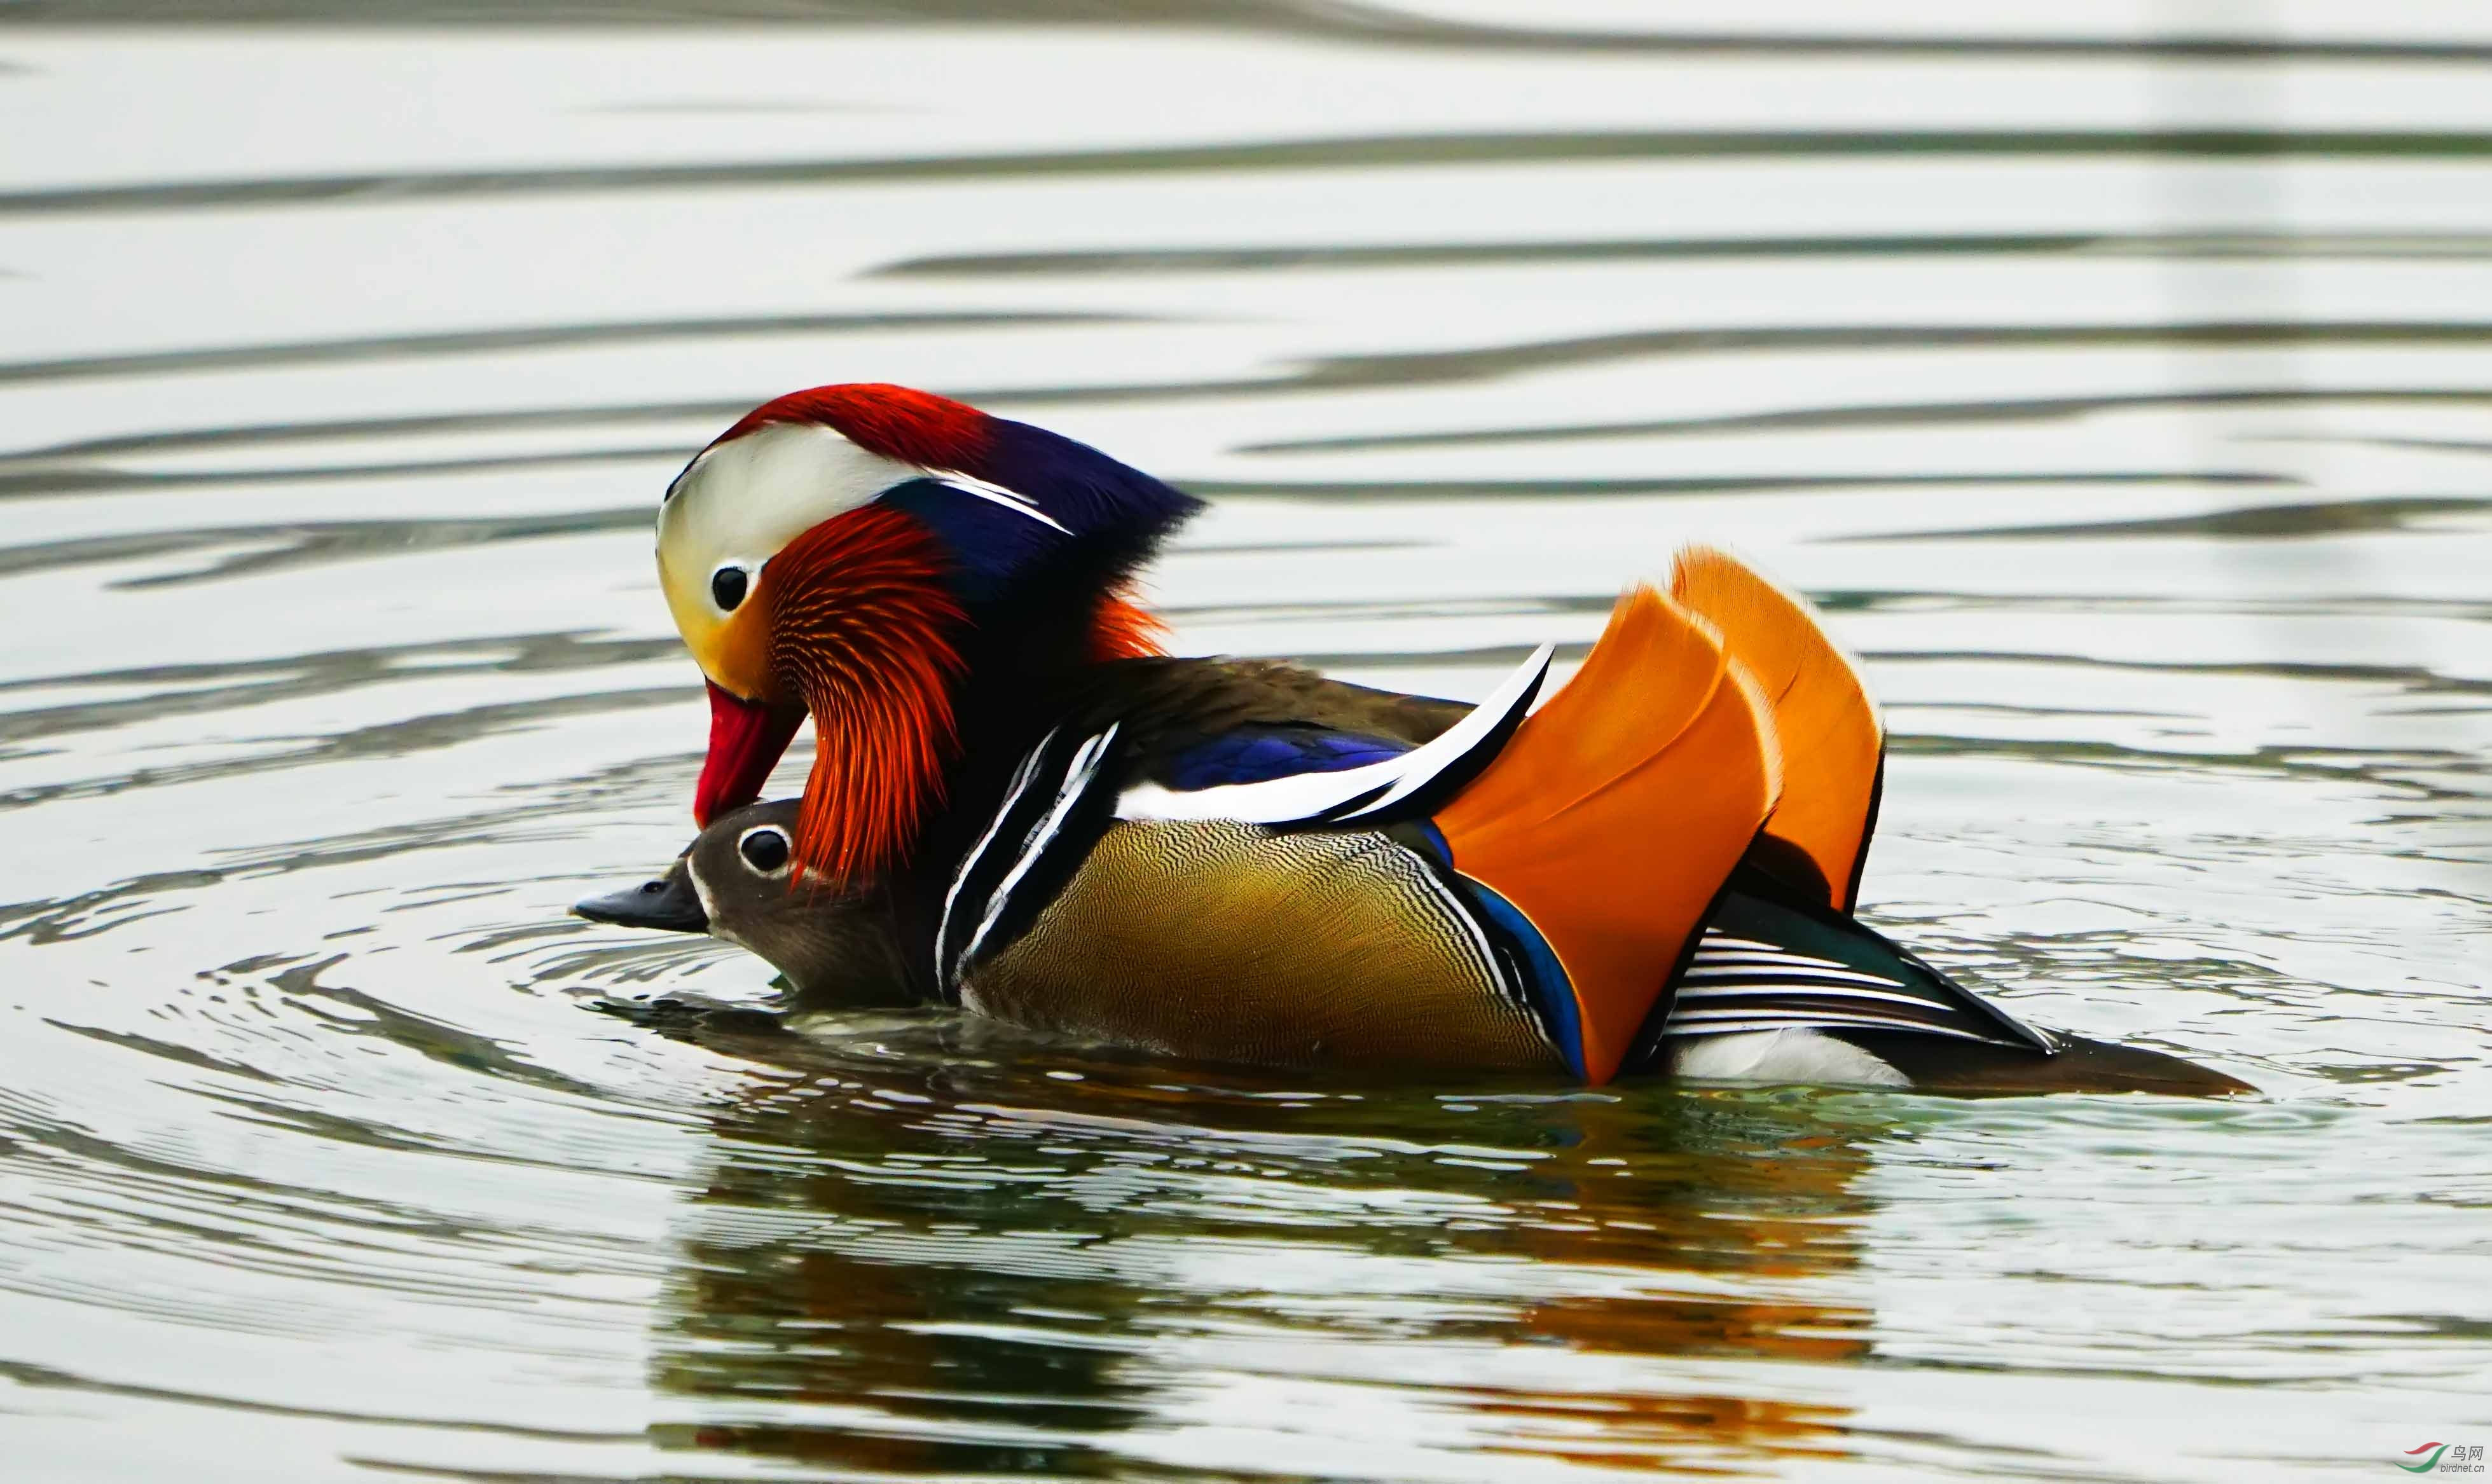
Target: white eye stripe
(759, 492)
(738, 502)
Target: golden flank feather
(1833, 743)
(1614, 816)
(1212, 938)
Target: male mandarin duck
(1017, 807)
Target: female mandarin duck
(1017, 807)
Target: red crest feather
(864, 627)
(895, 421)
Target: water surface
(2118, 384)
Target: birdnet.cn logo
(2445, 1458)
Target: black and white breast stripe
(1736, 984)
(1053, 796)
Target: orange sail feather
(1615, 814)
(1833, 744)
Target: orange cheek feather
(863, 627)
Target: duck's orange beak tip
(745, 740)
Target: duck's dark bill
(668, 905)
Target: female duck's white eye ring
(727, 586)
(766, 849)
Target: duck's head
(834, 551)
(734, 882)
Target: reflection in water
(969, 1270)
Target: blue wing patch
(1254, 754)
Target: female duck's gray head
(733, 883)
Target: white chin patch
(1779, 1056)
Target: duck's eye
(727, 587)
(764, 849)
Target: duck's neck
(1015, 685)
(1020, 672)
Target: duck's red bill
(745, 740)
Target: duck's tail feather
(1834, 746)
(1615, 816)
(2079, 1065)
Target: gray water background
(2117, 378)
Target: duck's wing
(1834, 745)
(1169, 705)
(1768, 964)
(1261, 752)
(1310, 776)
